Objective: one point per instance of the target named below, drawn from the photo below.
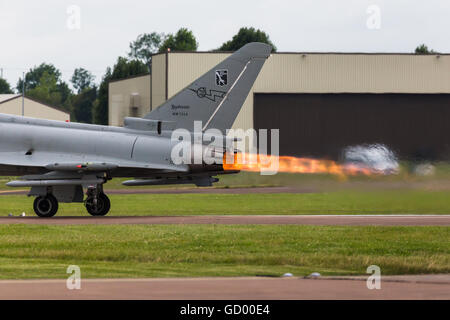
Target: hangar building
(12, 104)
(321, 102)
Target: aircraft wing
(53, 169)
(61, 162)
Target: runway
(326, 220)
(402, 287)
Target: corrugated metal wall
(320, 73)
(338, 73)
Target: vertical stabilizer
(216, 97)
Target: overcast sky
(33, 32)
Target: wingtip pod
(253, 50)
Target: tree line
(88, 103)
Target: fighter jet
(70, 162)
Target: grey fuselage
(29, 146)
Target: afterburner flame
(259, 163)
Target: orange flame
(258, 163)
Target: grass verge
(376, 202)
(39, 252)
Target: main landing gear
(97, 202)
(45, 206)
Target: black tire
(102, 208)
(45, 207)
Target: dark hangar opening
(415, 126)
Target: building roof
(131, 77)
(318, 53)
(8, 97)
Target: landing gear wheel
(100, 207)
(46, 207)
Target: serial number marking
(180, 114)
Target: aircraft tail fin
(216, 97)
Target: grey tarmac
(436, 287)
(325, 220)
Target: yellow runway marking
(12, 191)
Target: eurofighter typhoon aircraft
(61, 161)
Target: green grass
(41, 252)
(346, 202)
